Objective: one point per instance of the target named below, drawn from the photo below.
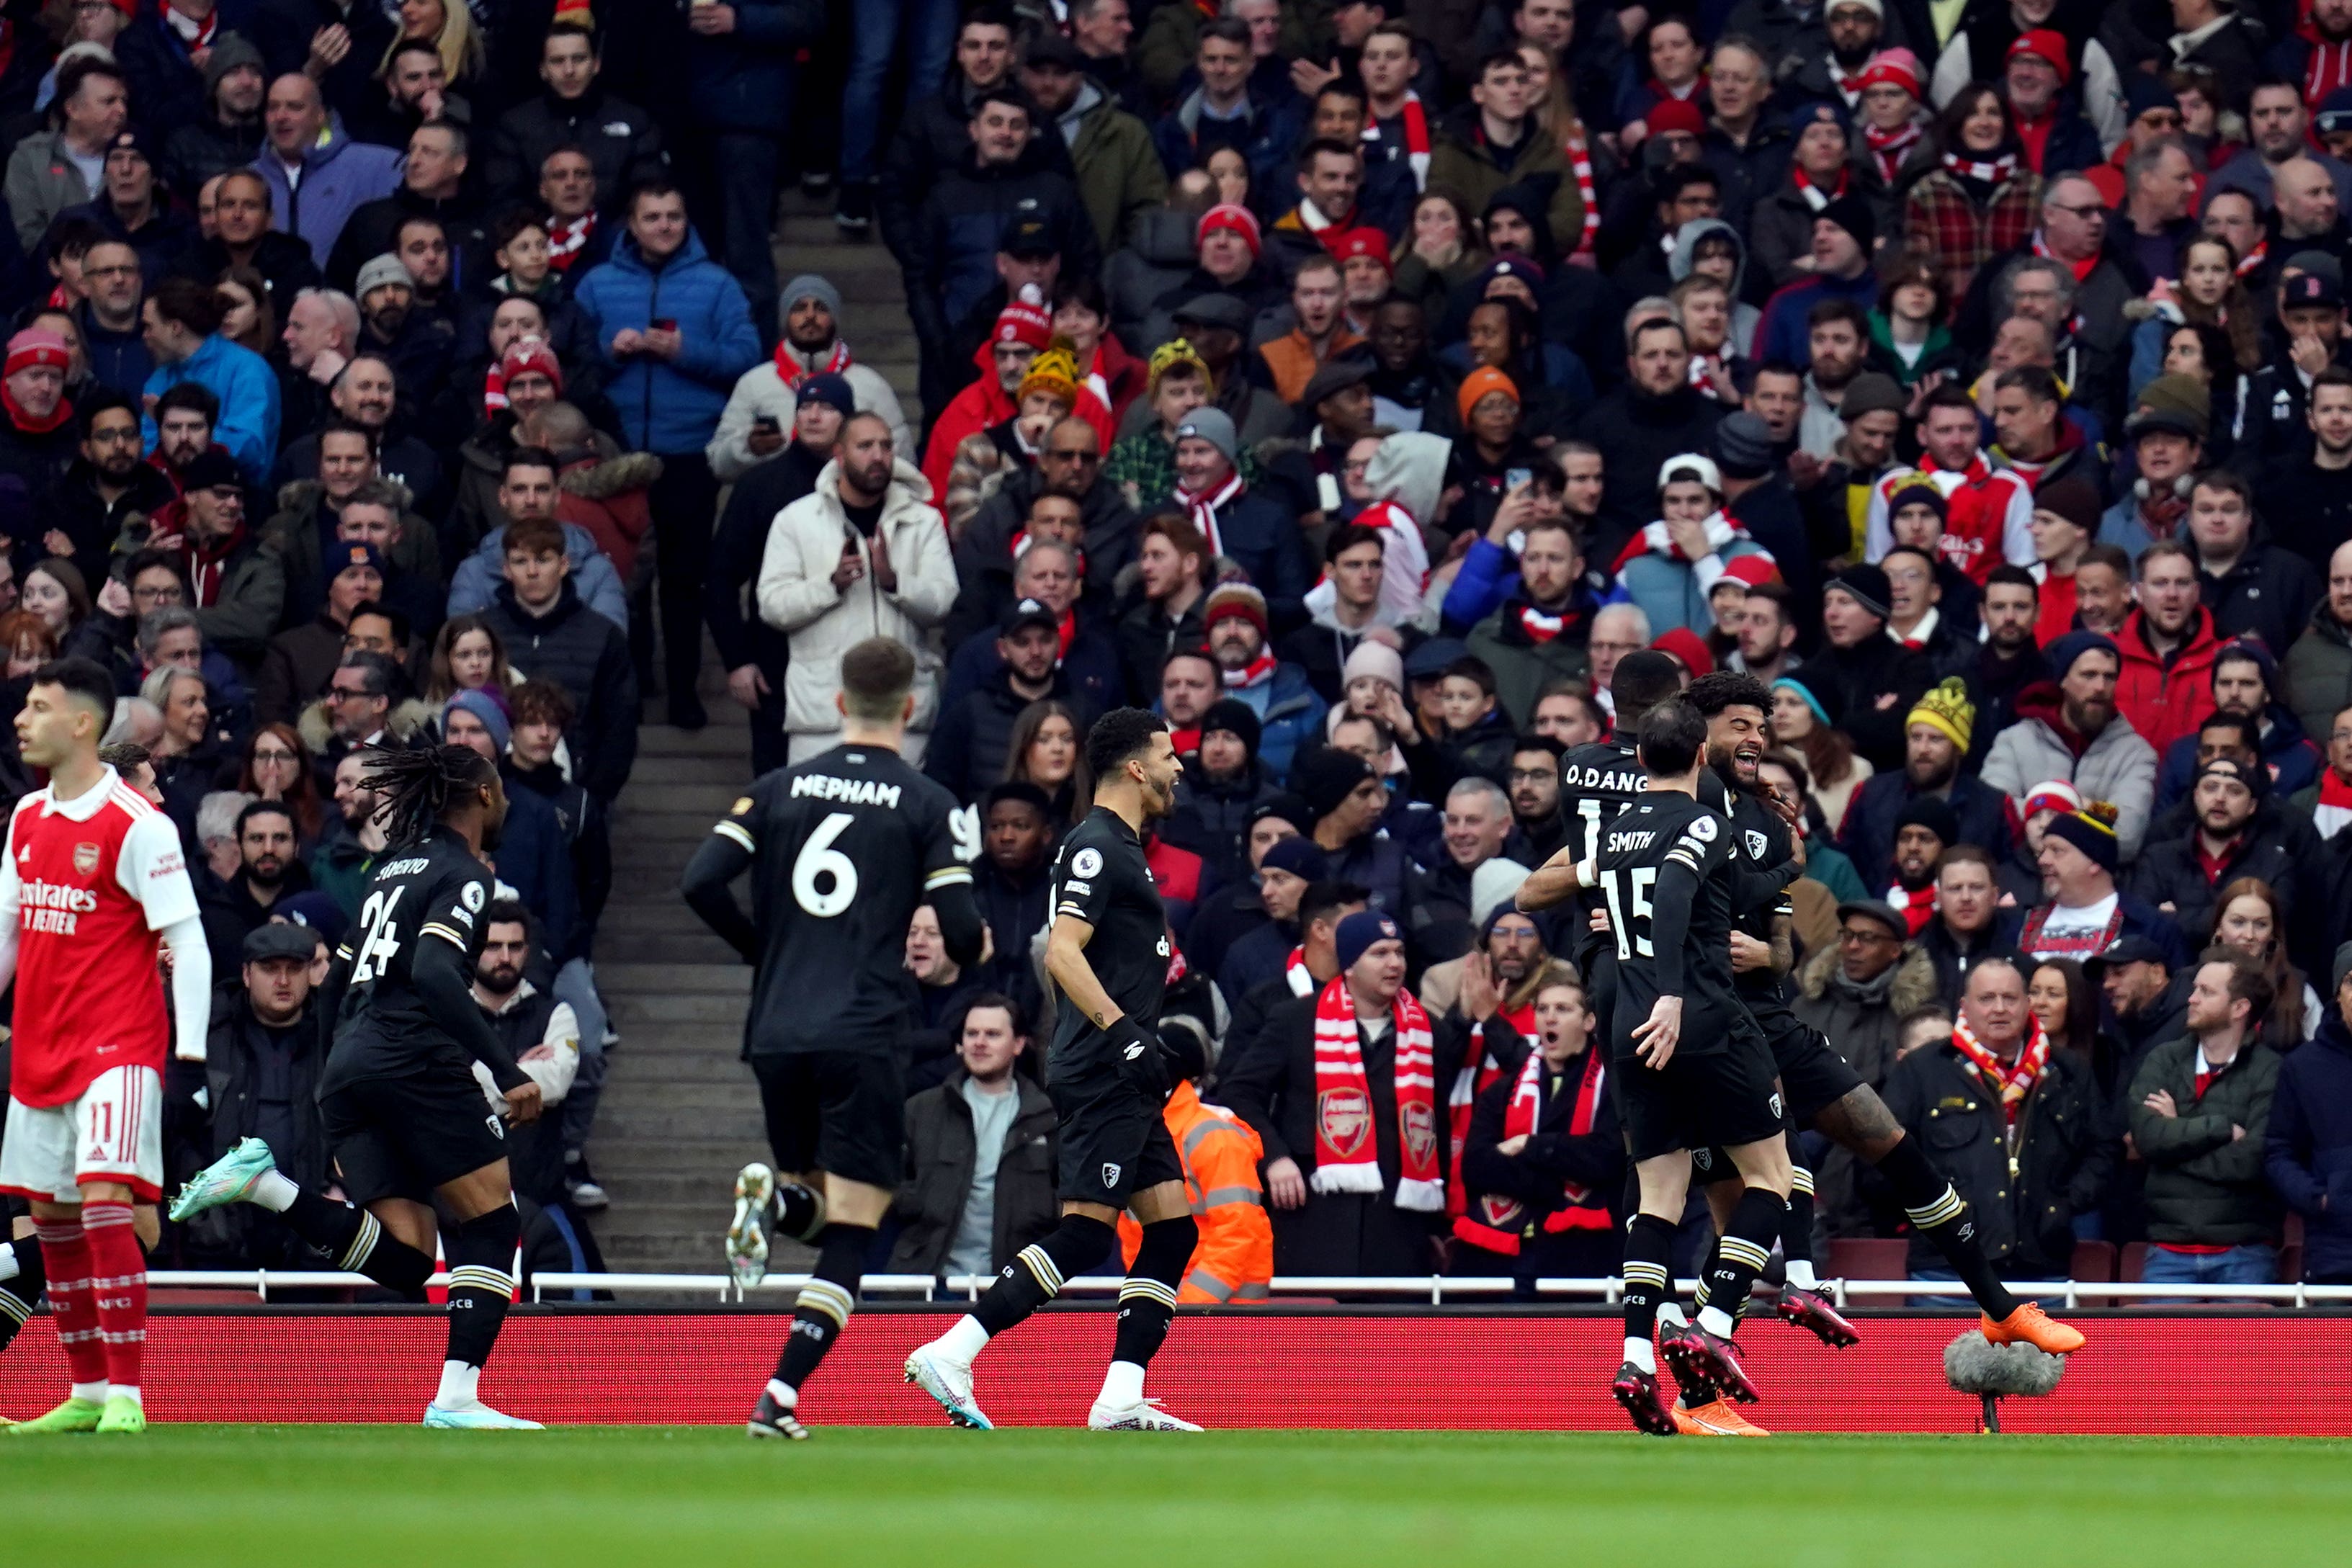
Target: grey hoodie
(1744, 316)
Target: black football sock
(1035, 1275)
(21, 1279)
(823, 1308)
(1146, 1303)
(1797, 1231)
(481, 1282)
(357, 1242)
(1740, 1255)
(1942, 1218)
(1649, 1280)
(800, 1212)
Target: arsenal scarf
(1917, 908)
(1657, 539)
(1412, 121)
(1890, 149)
(1497, 1222)
(567, 237)
(1296, 975)
(199, 35)
(791, 372)
(1203, 509)
(208, 568)
(1814, 197)
(1256, 673)
(2013, 1081)
(1991, 173)
(1579, 163)
(2335, 810)
(494, 388)
(2254, 259)
(1470, 1081)
(1542, 628)
(1346, 1154)
(2081, 269)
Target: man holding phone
(811, 346)
(675, 329)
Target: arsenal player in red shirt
(92, 882)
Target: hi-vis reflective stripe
(1208, 1285)
(735, 831)
(1219, 1197)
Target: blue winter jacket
(247, 390)
(670, 406)
(338, 176)
(2291, 755)
(1289, 716)
(476, 582)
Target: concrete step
(662, 1009)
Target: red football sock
(119, 1281)
(66, 1250)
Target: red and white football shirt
(87, 884)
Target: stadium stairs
(680, 1114)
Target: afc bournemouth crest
(1346, 1116)
(1417, 1124)
(85, 859)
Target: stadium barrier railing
(1440, 1289)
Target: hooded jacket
(670, 406)
(2118, 766)
(607, 496)
(2165, 697)
(795, 593)
(2293, 762)
(338, 176)
(247, 390)
(1863, 1028)
(1120, 176)
(476, 582)
(1681, 262)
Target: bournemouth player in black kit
(1693, 1071)
(406, 1119)
(844, 847)
(1106, 953)
(1822, 1092)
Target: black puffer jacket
(588, 656)
(621, 139)
(2066, 1150)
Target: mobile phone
(1513, 478)
(663, 324)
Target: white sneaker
(1145, 1417)
(949, 1383)
(747, 1234)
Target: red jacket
(983, 405)
(607, 497)
(2164, 701)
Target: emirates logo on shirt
(54, 907)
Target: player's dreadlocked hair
(420, 787)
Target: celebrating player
(1108, 956)
(1693, 1068)
(93, 877)
(845, 845)
(404, 1113)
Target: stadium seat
(2093, 1260)
(2131, 1262)
(1869, 1257)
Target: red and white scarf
(1917, 908)
(1889, 150)
(494, 388)
(1539, 626)
(1708, 375)
(2254, 259)
(2081, 269)
(1204, 509)
(1579, 163)
(199, 35)
(791, 372)
(1256, 673)
(2014, 1080)
(2334, 813)
(1656, 539)
(1497, 1222)
(1815, 198)
(1296, 975)
(1470, 1081)
(1412, 119)
(567, 237)
(1991, 173)
(1347, 1154)
(1404, 566)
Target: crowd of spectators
(1357, 384)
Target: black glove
(1137, 1051)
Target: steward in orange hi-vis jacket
(1235, 1259)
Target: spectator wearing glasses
(366, 706)
(108, 317)
(104, 487)
(1858, 992)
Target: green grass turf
(323, 1497)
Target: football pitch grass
(256, 1497)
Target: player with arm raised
(1693, 1070)
(92, 883)
(842, 849)
(1106, 953)
(403, 1116)
(1822, 1092)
